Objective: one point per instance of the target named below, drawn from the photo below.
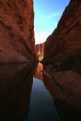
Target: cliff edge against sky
(64, 44)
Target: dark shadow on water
(29, 94)
(65, 89)
(15, 89)
(67, 112)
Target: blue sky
(47, 14)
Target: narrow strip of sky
(47, 14)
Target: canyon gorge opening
(46, 17)
(34, 91)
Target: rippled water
(28, 93)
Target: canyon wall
(64, 44)
(16, 30)
(39, 51)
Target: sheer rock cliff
(64, 44)
(16, 30)
(39, 51)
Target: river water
(28, 94)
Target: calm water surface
(28, 94)
(42, 107)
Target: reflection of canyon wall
(65, 42)
(15, 91)
(39, 50)
(16, 30)
(64, 88)
(39, 71)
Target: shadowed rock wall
(65, 42)
(16, 30)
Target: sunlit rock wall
(39, 51)
(16, 30)
(65, 42)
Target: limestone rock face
(16, 30)
(65, 41)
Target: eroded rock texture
(64, 44)
(16, 30)
(39, 51)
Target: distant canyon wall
(65, 42)
(16, 30)
(39, 51)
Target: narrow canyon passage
(40, 82)
(42, 107)
(30, 93)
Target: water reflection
(42, 107)
(47, 96)
(65, 89)
(15, 89)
